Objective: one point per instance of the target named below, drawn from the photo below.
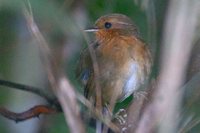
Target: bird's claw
(121, 116)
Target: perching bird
(124, 60)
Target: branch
(59, 86)
(38, 91)
(35, 111)
(163, 113)
(31, 113)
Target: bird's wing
(83, 68)
(142, 55)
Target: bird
(124, 60)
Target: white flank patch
(131, 84)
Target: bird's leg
(107, 115)
(107, 112)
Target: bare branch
(67, 98)
(38, 91)
(58, 82)
(164, 110)
(31, 113)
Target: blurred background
(62, 22)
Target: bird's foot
(121, 116)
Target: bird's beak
(93, 29)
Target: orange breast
(121, 63)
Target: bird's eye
(107, 25)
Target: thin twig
(96, 113)
(96, 80)
(189, 126)
(67, 98)
(38, 91)
(58, 82)
(31, 113)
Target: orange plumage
(124, 61)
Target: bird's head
(113, 24)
